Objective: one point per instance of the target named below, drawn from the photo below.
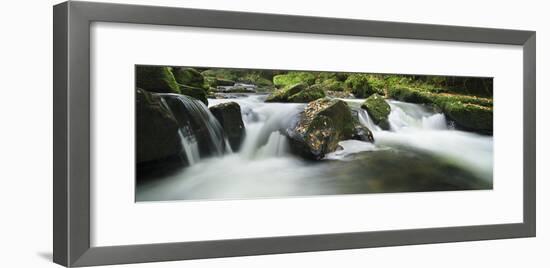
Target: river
(420, 152)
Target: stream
(420, 152)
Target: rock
(408, 95)
(323, 124)
(378, 110)
(195, 92)
(470, 117)
(332, 85)
(230, 118)
(189, 77)
(292, 78)
(298, 93)
(282, 95)
(309, 94)
(156, 79)
(157, 129)
(358, 84)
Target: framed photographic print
(184, 133)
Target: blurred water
(419, 153)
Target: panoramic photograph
(206, 133)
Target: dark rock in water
(229, 116)
(378, 109)
(323, 124)
(156, 130)
(156, 79)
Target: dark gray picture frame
(71, 174)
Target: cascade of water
(197, 114)
(406, 116)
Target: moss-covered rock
(230, 118)
(195, 92)
(292, 78)
(156, 79)
(156, 130)
(189, 77)
(332, 85)
(378, 110)
(323, 124)
(470, 116)
(358, 84)
(283, 94)
(408, 95)
(309, 94)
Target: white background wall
(26, 133)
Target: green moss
(332, 85)
(378, 109)
(197, 93)
(189, 77)
(282, 95)
(309, 94)
(470, 116)
(358, 84)
(292, 78)
(156, 79)
(408, 95)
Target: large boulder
(323, 124)
(230, 118)
(157, 129)
(378, 110)
(156, 79)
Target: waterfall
(263, 122)
(200, 132)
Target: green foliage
(378, 109)
(156, 79)
(292, 78)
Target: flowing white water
(200, 114)
(264, 167)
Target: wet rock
(156, 129)
(156, 79)
(378, 110)
(229, 116)
(321, 126)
